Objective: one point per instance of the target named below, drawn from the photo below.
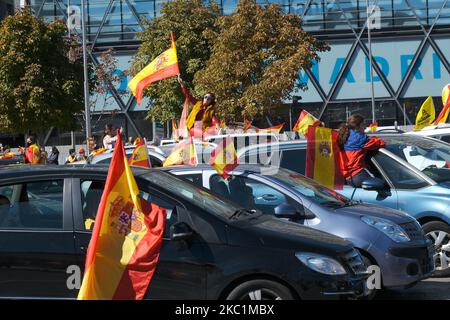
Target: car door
(36, 239)
(181, 269)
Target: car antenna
(353, 194)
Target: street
(429, 289)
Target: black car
(211, 249)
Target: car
(423, 192)
(212, 249)
(440, 132)
(388, 238)
(156, 157)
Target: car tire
(260, 290)
(439, 233)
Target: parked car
(385, 237)
(212, 249)
(156, 157)
(440, 132)
(423, 191)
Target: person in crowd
(109, 136)
(72, 156)
(32, 151)
(81, 155)
(355, 144)
(203, 111)
(43, 159)
(129, 142)
(53, 157)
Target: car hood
(275, 233)
(375, 211)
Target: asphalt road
(429, 289)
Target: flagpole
(369, 26)
(86, 77)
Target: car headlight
(321, 263)
(391, 229)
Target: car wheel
(439, 233)
(260, 290)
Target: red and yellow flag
(373, 127)
(442, 117)
(98, 151)
(163, 66)
(304, 121)
(126, 239)
(140, 155)
(224, 157)
(275, 129)
(247, 125)
(32, 154)
(322, 157)
(184, 153)
(222, 124)
(137, 142)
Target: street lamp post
(86, 76)
(369, 26)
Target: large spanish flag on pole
(442, 117)
(163, 66)
(140, 155)
(126, 239)
(224, 157)
(322, 157)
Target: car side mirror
(373, 184)
(181, 231)
(285, 210)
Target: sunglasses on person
(207, 97)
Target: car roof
(27, 170)
(255, 168)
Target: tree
(187, 19)
(256, 56)
(41, 84)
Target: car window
(445, 138)
(400, 176)
(294, 159)
(250, 193)
(91, 193)
(32, 205)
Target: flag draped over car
(163, 66)
(140, 155)
(275, 129)
(426, 114)
(323, 157)
(304, 121)
(443, 115)
(224, 157)
(126, 239)
(183, 153)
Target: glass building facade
(410, 43)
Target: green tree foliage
(256, 56)
(40, 84)
(187, 19)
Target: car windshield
(430, 156)
(311, 189)
(192, 193)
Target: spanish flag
(224, 157)
(126, 240)
(140, 156)
(247, 125)
(323, 157)
(222, 124)
(33, 154)
(163, 66)
(373, 127)
(98, 151)
(275, 129)
(305, 120)
(184, 153)
(426, 114)
(442, 117)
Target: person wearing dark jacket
(355, 144)
(53, 157)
